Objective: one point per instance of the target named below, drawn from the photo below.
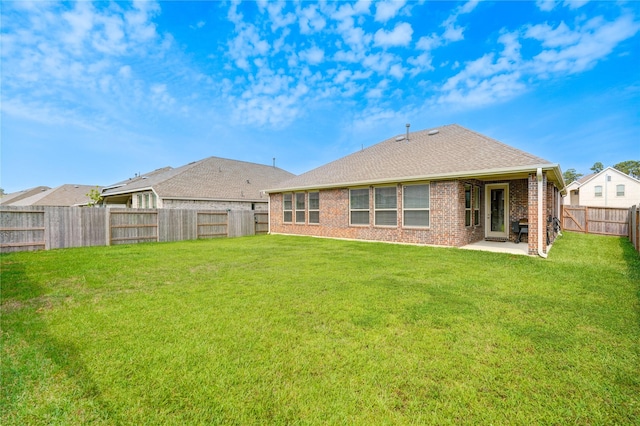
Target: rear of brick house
(448, 187)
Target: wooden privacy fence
(596, 220)
(37, 228)
(634, 226)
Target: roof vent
(433, 132)
(400, 138)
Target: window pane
(287, 202)
(476, 197)
(360, 199)
(467, 196)
(300, 201)
(598, 191)
(360, 218)
(620, 190)
(416, 197)
(314, 217)
(467, 218)
(476, 217)
(386, 218)
(314, 200)
(416, 218)
(300, 216)
(385, 198)
(288, 215)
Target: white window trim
(309, 209)
(368, 209)
(284, 210)
(376, 210)
(623, 190)
(428, 209)
(475, 205)
(595, 191)
(470, 208)
(296, 209)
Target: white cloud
(388, 9)
(310, 20)
(314, 55)
(547, 5)
(399, 36)
(576, 51)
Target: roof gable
(210, 178)
(449, 150)
(609, 169)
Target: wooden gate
(596, 220)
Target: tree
(629, 167)
(570, 175)
(94, 196)
(597, 167)
(2, 192)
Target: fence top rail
(4, 210)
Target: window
(287, 207)
(598, 191)
(154, 201)
(467, 205)
(314, 207)
(359, 206)
(415, 204)
(300, 207)
(386, 206)
(476, 205)
(139, 201)
(619, 190)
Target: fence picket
(37, 228)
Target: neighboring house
(448, 186)
(608, 188)
(61, 196)
(8, 199)
(213, 183)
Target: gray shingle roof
(453, 150)
(63, 195)
(213, 178)
(9, 199)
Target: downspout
(541, 221)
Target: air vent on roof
(400, 138)
(433, 132)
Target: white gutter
(485, 174)
(541, 253)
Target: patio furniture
(520, 227)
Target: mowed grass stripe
(277, 329)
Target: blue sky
(93, 93)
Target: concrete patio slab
(499, 247)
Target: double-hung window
(287, 207)
(467, 205)
(415, 206)
(619, 190)
(314, 207)
(386, 206)
(476, 205)
(359, 206)
(598, 191)
(300, 207)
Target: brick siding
(447, 218)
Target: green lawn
(276, 329)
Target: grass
(276, 329)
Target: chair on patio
(520, 227)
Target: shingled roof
(63, 195)
(213, 178)
(446, 152)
